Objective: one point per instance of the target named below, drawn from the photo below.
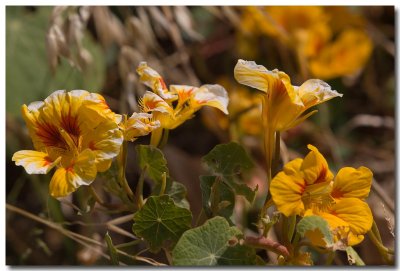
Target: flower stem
(384, 251)
(159, 137)
(96, 196)
(156, 136)
(272, 153)
(121, 159)
(139, 188)
(164, 139)
(277, 154)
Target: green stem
(159, 137)
(100, 201)
(199, 217)
(164, 139)
(96, 196)
(272, 141)
(139, 188)
(288, 226)
(375, 230)
(121, 159)
(292, 226)
(156, 136)
(384, 251)
(214, 196)
(277, 154)
(132, 243)
(296, 240)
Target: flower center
(62, 137)
(318, 197)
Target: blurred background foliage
(99, 48)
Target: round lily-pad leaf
(161, 220)
(214, 243)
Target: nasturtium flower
(153, 80)
(328, 47)
(139, 124)
(244, 110)
(177, 104)
(76, 133)
(305, 27)
(284, 103)
(344, 56)
(307, 187)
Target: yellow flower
(74, 131)
(244, 110)
(174, 106)
(284, 104)
(327, 47)
(139, 124)
(307, 187)
(344, 56)
(303, 28)
(153, 80)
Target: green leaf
(153, 160)
(177, 192)
(222, 200)
(228, 159)
(243, 190)
(353, 257)
(160, 220)
(316, 229)
(214, 243)
(228, 162)
(111, 250)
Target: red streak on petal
(70, 124)
(92, 145)
(50, 135)
(337, 194)
(151, 104)
(162, 83)
(322, 175)
(47, 161)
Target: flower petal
(355, 212)
(151, 102)
(61, 183)
(85, 168)
(283, 107)
(34, 162)
(293, 167)
(286, 190)
(152, 79)
(184, 92)
(352, 183)
(139, 124)
(105, 141)
(211, 95)
(95, 108)
(315, 168)
(256, 76)
(315, 91)
(345, 56)
(67, 180)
